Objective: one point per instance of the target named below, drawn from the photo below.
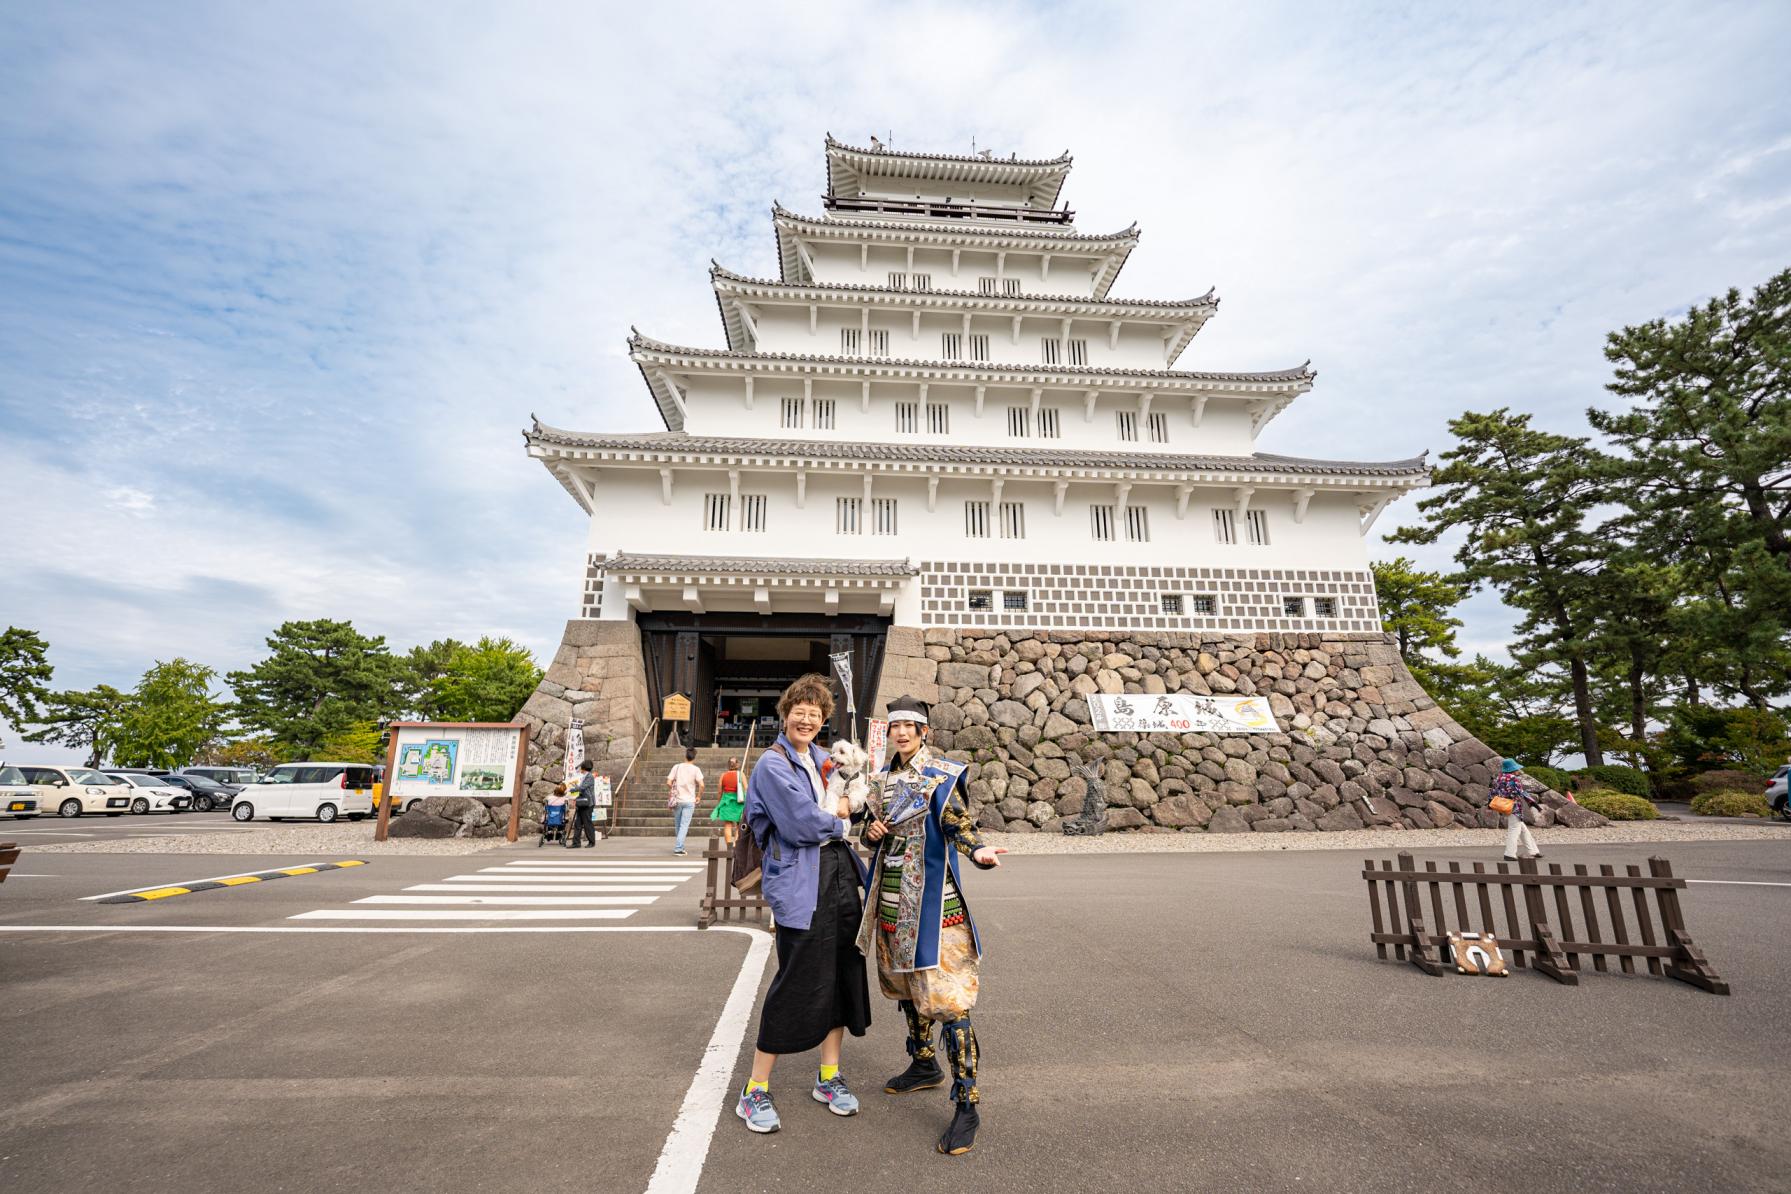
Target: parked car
(323, 791)
(1775, 787)
(207, 794)
(234, 778)
(72, 791)
(16, 797)
(151, 794)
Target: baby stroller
(554, 824)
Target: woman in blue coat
(814, 883)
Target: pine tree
(81, 720)
(321, 678)
(24, 677)
(1522, 497)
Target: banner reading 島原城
(1180, 713)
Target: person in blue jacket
(814, 882)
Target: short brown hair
(812, 689)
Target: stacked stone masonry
(599, 677)
(1363, 746)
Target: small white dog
(850, 776)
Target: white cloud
(279, 287)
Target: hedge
(1620, 778)
(1619, 806)
(1731, 804)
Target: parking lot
(1152, 1022)
(47, 829)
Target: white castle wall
(717, 406)
(1069, 275)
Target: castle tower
(939, 425)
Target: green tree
(1415, 609)
(242, 752)
(361, 742)
(1515, 709)
(80, 720)
(24, 677)
(1522, 497)
(420, 669)
(1636, 604)
(1706, 472)
(487, 682)
(169, 717)
(319, 678)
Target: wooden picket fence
(720, 900)
(9, 854)
(1522, 896)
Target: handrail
(615, 812)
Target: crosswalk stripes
(559, 889)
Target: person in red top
(729, 807)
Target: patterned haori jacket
(949, 832)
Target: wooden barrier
(720, 900)
(1559, 957)
(9, 854)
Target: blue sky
(280, 286)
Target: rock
(1272, 825)
(420, 824)
(1340, 819)
(1228, 820)
(1124, 818)
(1024, 685)
(946, 716)
(1038, 812)
(1057, 725)
(1240, 771)
(1574, 816)
(1012, 808)
(991, 819)
(1010, 713)
(1180, 811)
(1021, 826)
(964, 675)
(1109, 682)
(1143, 795)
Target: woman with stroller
(814, 883)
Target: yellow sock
(829, 1073)
(753, 1084)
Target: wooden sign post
(455, 758)
(675, 709)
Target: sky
(280, 285)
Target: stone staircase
(643, 812)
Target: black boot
(923, 1072)
(960, 1138)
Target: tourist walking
(926, 945)
(582, 828)
(729, 808)
(684, 787)
(814, 883)
(1517, 834)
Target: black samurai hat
(907, 708)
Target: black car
(207, 794)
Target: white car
(72, 791)
(321, 791)
(1775, 787)
(15, 797)
(151, 795)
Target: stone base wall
(598, 675)
(1364, 745)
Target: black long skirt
(820, 981)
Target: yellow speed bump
(162, 893)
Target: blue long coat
(781, 813)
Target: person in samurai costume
(916, 923)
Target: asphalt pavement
(1148, 1022)
(94, 827)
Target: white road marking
(618, 863)
(50, 832)
(520, 901)
(1738, 883)
(373, 929)
(502, 888)
(686, 1148)
(27, 875)
(649, 876)
(670, 881)
(212, 879)
(461, 914)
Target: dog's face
(848, 756)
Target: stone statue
(1093, 819)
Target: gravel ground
(312, 839)
(358, 840)
(1376, 839)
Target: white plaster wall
(632, 517)
(717, 406)
(785, 328)
(1069, 274)
(880, 187)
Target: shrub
(1560, 781)
(1619, 778)
(1731, 804)
(1619, 806)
